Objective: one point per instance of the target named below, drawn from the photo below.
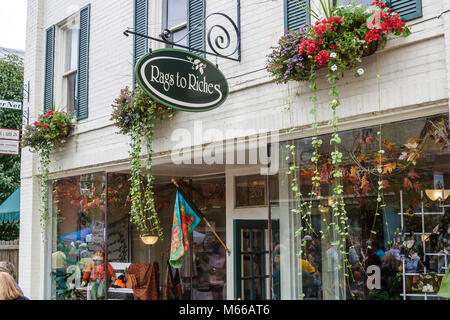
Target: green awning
(10, 208)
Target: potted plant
(45, 135)
(135, 114)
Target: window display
(78, 238)
(92, 236)
(390, 255)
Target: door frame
(239, 224)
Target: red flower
(45, 126)
(380, 4)
(49, 113)
(322, 57)
(333, 46)
(372, 35)
(320, 29)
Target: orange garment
(94, 272)
(306, 266)
(147, 278)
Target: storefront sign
(182, 80)
(9, 141)
(10, 105)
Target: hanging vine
(337, 43)
(136, 113)
(44, 136)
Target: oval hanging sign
(182, 80)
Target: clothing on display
(172, 284)
(147, 279)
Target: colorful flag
(186, 217)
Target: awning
(10, 208)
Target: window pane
(78, 241)
(406, 200)
(71, 59)
(176, 12)
(71, 87)
(251, 190)
(178, 37)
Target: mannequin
(95, 274)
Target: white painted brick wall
(414, 71)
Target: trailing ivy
(336, 43)
(136, 113)
(44, 136)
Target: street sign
(182, 80)
(9, 134)
(11, 105)
(9, 141)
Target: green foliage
(44, 136)
(135, 113)
(9, 231)
(49, 132)
(337, 43)
(11, 87)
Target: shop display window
(404, 247)
(78, 240)
(91, 222)
(250, 190)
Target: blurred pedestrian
(8, 267)
(9, 289)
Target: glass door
(251, 259)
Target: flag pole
(208, 224)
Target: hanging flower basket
(49, 131)
(370, 48)
(45, 135)
(337, 42)
(135, 114)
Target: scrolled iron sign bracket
(218, 43)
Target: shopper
(8, 267)
(9, 289)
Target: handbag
(444, 290)
(131, 281)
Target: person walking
(9, 289)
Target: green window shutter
(196, 24)
(407, 9)
(83, 64)
(49, 67)
(140, 44)
(296, 14)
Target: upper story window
(66, 76)
(66, 62)
(175, 19)
(71, 66)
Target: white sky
(13, 18)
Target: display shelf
(426, 213)
(422, 213)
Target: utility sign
(10, 105)
(9, 141)
(9, 147)
(182, 80)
